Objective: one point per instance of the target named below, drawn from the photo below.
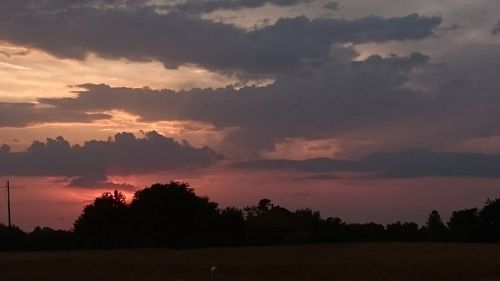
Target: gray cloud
(90, 164)
(24, 114)
(320, 177)
(334, 6)
(141, 33)
(421, 163)
(329, 97)
(97, 180)
(396, 102)
(496, 29)
(255, 118)
(405, 164)
(316, 165)
(208, 6)
(318, 88)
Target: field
(377, 261)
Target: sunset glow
(376, 111)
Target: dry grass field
(376, 261)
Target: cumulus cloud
(396, 102)
(318, 91)
(331, 97)
(140, 32)
(405, 164)
(89, 165)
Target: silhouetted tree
(231, 220)
(46, 238)
(262, 207)
(365, 232)
(12, 238)
(489, 218)
(172, 213)
(313, 219)
(105, 216)
(464, 225)
(407, 231)
(436, 230)
(333, 230)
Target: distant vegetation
(172, 215)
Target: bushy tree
(365, 232)
(172, 210)
(231, 221)
(464, 225)
(12, 238)
(46, 238)
(489, 218)
(436, 229)
(313, 219)
(333, 230)
(263, 206)
(407, 231)
(107, 215)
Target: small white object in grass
(213, 273)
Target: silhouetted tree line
(172, 215)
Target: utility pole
(8, 204)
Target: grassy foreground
(377, 261)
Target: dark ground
(371, 261)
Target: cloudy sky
(376, 110)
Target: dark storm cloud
(188, 6)
(496, 29)
(334, 6)
(24, 114)
(319, 92)
(430, 105)
(406, 164)
(319, 102)
(208, 6)
(331, 98)
(142, 33)
(91, 163)
(465, 95)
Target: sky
(379, 110)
